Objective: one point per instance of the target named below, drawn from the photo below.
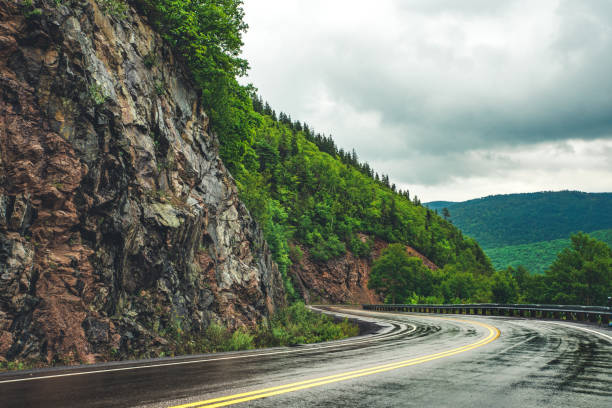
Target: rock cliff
(343, 279)
(118, 220)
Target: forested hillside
(296, 182)
(529, 229)
(537, 256)
(307, 193)
(513, 219)
(580, 274)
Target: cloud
(568, 165)
(437, 84)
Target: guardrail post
(595, 314)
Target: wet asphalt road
(531, 364)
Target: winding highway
(418, 360)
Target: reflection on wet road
(415, 360)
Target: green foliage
(208, 35)
(160, 88)
(504, 288)
(241, 340)
(114, 8)
(502, 220)
(291, 325)
(396, 275)
(295, 254)
(14, 365)
(150, 60)
(296, 324)
(537, 256)
(531, 288)
(328, 203)
(360, 248)
(216, 338)
(581, 274)
(297, 184)
(530, 229)
(29, 11)
(96, 94)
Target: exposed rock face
(118, 220)
(344, 279)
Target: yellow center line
(301, 385)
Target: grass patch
(295, 324)
(289, 326)
(15, 365)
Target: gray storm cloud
(433, 90)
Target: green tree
(208, 35)
(581, 274)
(457, 286)
(504, 288)
(396, 275)
(446, 213)
(296, 183)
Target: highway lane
(416, 360)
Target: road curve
(414, 360)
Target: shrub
(96, 94)
(114, 8)
(297, 324)
(240, 340)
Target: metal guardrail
(561, 312)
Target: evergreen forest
(305, 191)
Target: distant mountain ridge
(514, 219)
(439, 205)
(530, 229)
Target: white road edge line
(605, 336)
(390, 335)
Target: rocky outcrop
(118, 220)
(343, 279)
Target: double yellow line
(301, 385)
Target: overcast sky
(454, 99)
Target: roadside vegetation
(292, 325)
(581, 275)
